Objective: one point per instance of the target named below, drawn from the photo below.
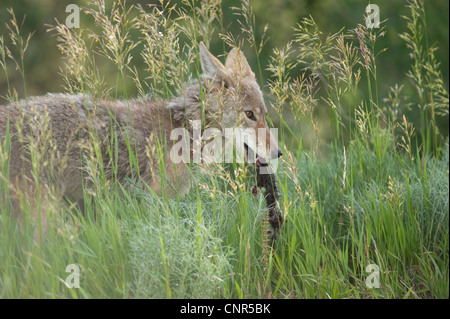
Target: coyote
(227, 96)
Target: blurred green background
(43, 60)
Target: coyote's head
(236, 101)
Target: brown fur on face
(234, 89)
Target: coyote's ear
(212, 68)
(238, 63)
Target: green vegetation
(364, 178)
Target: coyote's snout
(128, 132)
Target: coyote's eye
(250, 115)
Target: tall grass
(377, 194)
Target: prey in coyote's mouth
(271, 194)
